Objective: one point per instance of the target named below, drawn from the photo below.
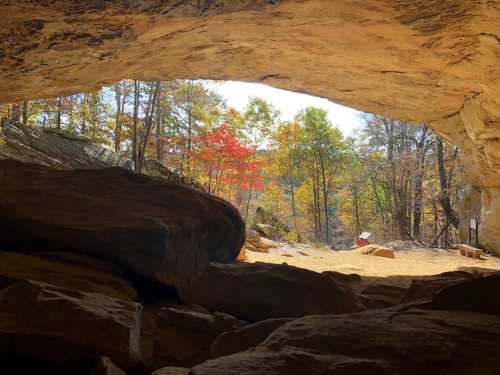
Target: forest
(397, 180)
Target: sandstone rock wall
(476, 129)
(419, 60)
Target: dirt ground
(407, 262)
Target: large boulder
(267, 217)
(377, 250)
(67, 329)
(374, 342)
(182, 335)
(261, 291)
(472, 295)
(268, 231)
(76, 273)
(255, 243)
(157, 229)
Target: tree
(226, 162)
(148, 121)
(423, 141)
(286, 145)
(444, 197)
(137, 88)
(322, 145)
(259, 117)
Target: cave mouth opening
(309, 176)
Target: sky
(237, 95)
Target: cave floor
(407, 263)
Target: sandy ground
(411, 262)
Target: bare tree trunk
(148, 125)
(292, 190)
(316, 224)
(118, 125)
(59, 109)
(250, 191)
(95, 114)
(325, 198)
(377, 198)
(418, 195)
(16, 113)
(25, 113)
(190, 130)
(314, 211)
(444, 197)
(136, 115)
(248, 200)
(159, 130)
(84, 114)
(318, 200)
(354, 192)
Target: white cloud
(288, 103)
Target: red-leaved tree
(227, 164)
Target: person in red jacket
(361, 242)
(363, 239)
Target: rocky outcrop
(75, 273)
(261, 291)
(155, 229)
(474, 130)
(56, 148)
(62, 149)
(46, 324)
(264, 216)
(268, 231)
(375, 342)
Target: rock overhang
(424, 61)
(410, 60)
